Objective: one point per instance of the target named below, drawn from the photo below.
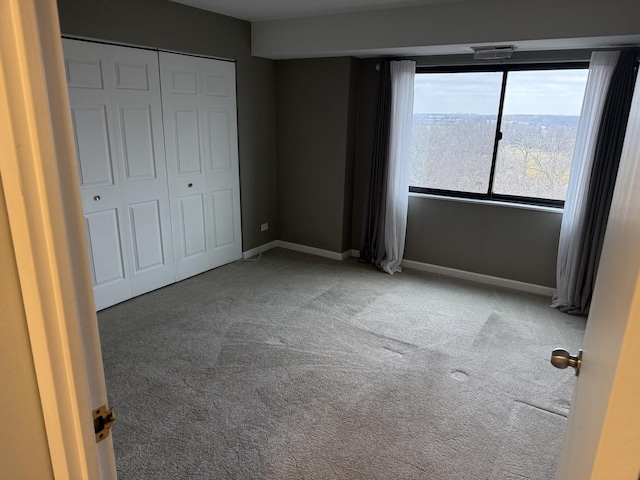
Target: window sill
(523, 206)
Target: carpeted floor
(300, 367)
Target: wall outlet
(264, 227)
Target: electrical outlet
(264, 227)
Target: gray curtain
(372, 249)
(613, 124)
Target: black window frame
(505, 69)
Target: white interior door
(117, 120)
(602, 439)
(200, 120)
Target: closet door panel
(117, 117)
(92, 145)
(146, 230)
(83, 69)
(220, 148)
(192, 226)
(135, 93)
(221, 152)
(133, 74)
(187, 141)
(223, 217)
(107, 265)
(98, 169)
(137, 142)
(198, 98)
(183, 140)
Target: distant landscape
(454, 151)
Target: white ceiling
(257, 10)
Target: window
(503, 133)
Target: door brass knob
(560, 358)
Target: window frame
(505, 69)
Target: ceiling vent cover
(492, 53)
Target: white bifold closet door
(117, 121)
(153, 219)
(200, 126)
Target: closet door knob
(96, 198)
(190, 185)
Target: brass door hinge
(103, 420)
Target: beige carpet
(299, 367)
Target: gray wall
(171, 26)
(24, 452)
(313, 193)
(316, 127)
(506, 242)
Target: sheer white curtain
(601, 68)
(402, 79)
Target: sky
(542, 92)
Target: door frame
(40, 181)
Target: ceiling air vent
(492, 53)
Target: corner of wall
(350, 154)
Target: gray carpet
(299, 367)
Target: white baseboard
(480, 278)
(258, 250)
(425, 267)
(314, 251)
(298, 248)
